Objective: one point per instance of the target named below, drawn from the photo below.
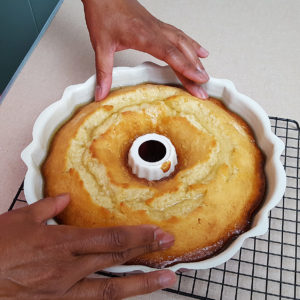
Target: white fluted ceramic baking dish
(57, 113)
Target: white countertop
(254, 43)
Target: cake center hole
(152, 151)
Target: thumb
(104, 66)
(48, 208)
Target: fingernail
(203, 52)
(62, 200)
(98, 93)
(203, 73)
(167, 278)
(62, 196)
(165, 239)
(149, 226)
(202, 93)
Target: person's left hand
(125, 24)
(51, 262)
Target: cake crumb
(108, 107)
(166, 166)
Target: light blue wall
(20, 23)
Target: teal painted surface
(17, 33)
(20, 23)
(41, 10)
(28, 54)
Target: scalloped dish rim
(60, 111)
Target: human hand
(125, 24)
(51, 262)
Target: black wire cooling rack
(266, 267)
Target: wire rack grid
(267, 266)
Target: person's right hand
(38, 261)
(116, 25)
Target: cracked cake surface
(208, 200)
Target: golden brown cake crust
(210, 198)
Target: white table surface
(254, 43)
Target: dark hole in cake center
(152, 151)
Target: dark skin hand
(38, 261)
(115, 25)
(52, 262)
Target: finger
(201, 51)
(169, 53)
(187, 46)
(104, 66)
(184, 43)
(188, 50)
(88, 264)
(123, 287)
(194, 88)
(177, 36)
(112, 239)
(48, 208)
